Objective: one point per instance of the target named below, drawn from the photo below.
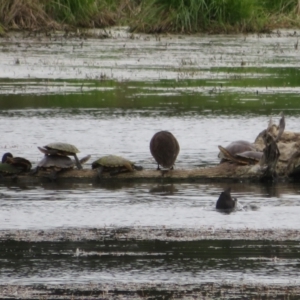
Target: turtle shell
(255, 155)
(110, 162)
(238, 147)
(56, 162)
(244, 158)
(59, 149)
(241, 152)
(8, 169)
(164, 147)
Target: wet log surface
(224, 171)
(285, 165)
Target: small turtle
(241, 152)
(114, 164)
(14, 165)
(248, 157)
(62, 149)
(225, 200)
(56, 163)
(164, 148)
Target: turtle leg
(52, 176)
(100, 171)
(115, 172)
(138, 168)
(84, 159)
(79, 167)
(34, 171)
(14, 178)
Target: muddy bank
(106, 259)
(50, 263)
(151, 291)
(148, 233)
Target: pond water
(109, 96)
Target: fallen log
(280, 160)
(224, 171)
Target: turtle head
(6, 156)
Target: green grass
(71, 11)
(186, 16)
(210, 15)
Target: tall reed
(184, 16)
(26, 14)
(203, 15)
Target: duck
(20, 163)
(225, 200)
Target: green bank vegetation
(152, 16)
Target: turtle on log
(114, 165)
(241, 152)
(53, 164)
(62, 149)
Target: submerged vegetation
(154, 16)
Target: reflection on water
(164, 189)
(106, 261)
(53, 205)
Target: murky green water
(109, 97)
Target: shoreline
(144, 291)
(137, 233)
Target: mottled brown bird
(164, 148)
(20, 163)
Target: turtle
(242, 152)
(164, 148)
(225, 200)
(22, 164)
(62, 149)
(114, 165)
(7, 169)
(245, 157)
(54, 163)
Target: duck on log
(277, 157)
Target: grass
(25, 14)
(152, 16)
(212, 15)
